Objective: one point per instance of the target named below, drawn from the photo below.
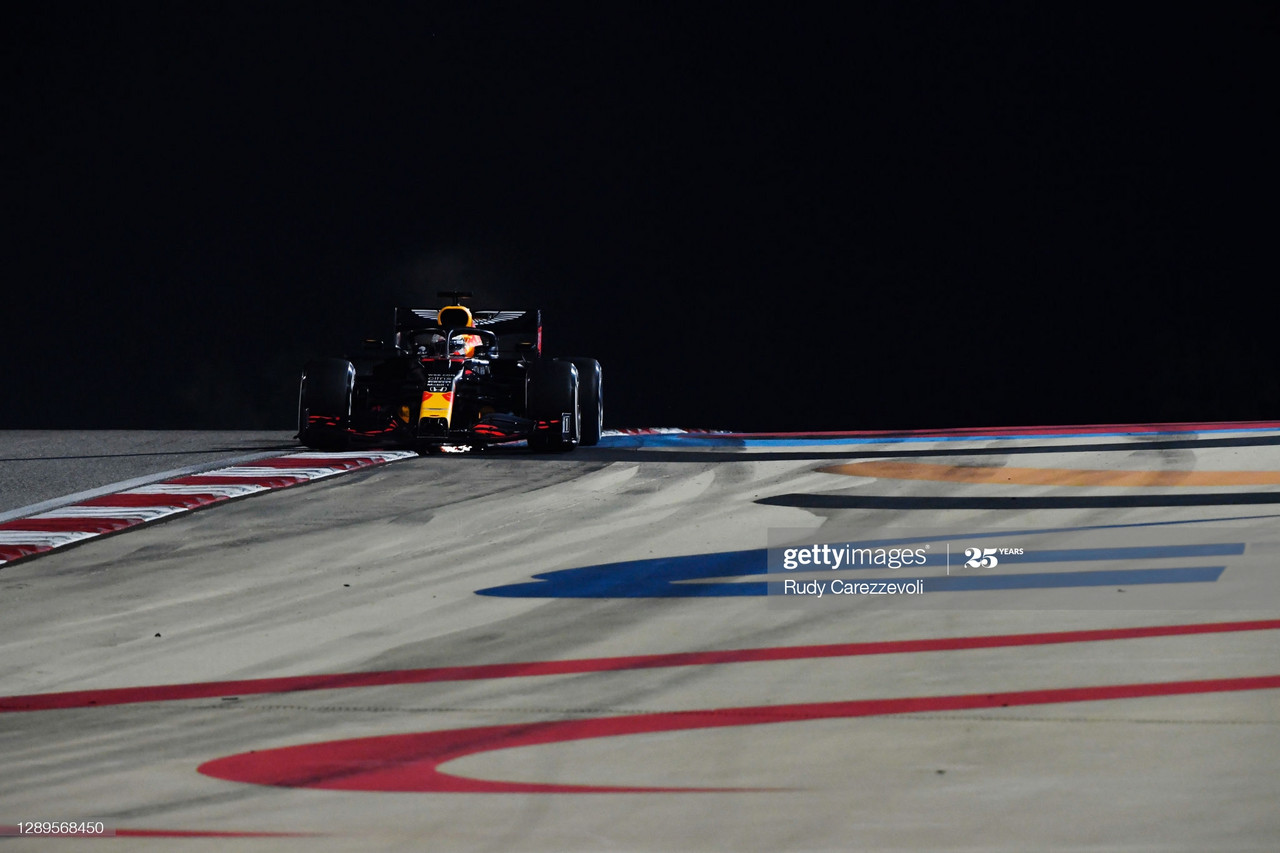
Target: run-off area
(999, 719)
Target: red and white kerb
(42, 532)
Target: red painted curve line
(411, 762)
(340, 681)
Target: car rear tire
(553, 393)
(590, 399)
(324, 403)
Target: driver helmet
(463, 346)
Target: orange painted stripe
(1051, 476)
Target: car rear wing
(513, 328)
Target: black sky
(885, 215)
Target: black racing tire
(590, 399)
(553, 392)
(325, 392)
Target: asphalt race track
(596, 651)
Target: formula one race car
(453, 377)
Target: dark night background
(830, 217)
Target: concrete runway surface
(593, 651)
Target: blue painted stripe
(1043, 580)
(1135, 552)
(1059, 580)
(691, 576)
(601, 587)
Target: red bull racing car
(453, 377)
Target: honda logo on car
(438, 383)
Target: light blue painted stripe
(712, 440)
